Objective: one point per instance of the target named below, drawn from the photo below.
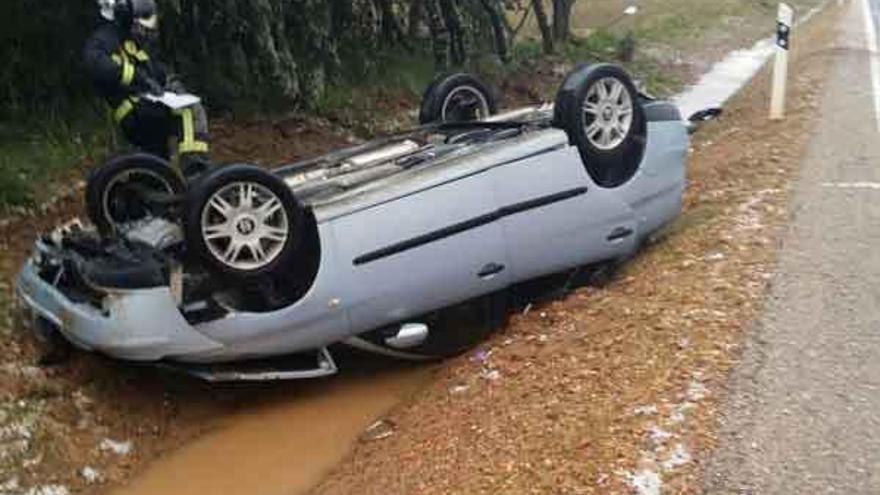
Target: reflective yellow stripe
(127, 72)
(117, 59)
(135, 52)
(189, 134)
(189, 144)
(124, 109)
(193, 147)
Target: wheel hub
(120, 206)
(464, 103)
(246, 225)
(608, 110)
(608, 113)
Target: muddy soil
(614, 390)
(89, 399)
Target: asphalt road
(804, 414)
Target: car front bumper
(135, 325)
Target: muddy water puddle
(283, 446)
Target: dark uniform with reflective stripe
(120, 70)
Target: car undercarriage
(231, 275)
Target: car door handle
(490, 270)
(619, 233)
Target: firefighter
(120, 58)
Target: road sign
(784, 21)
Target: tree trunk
(439, 35)
(544, 26)
(513, 31)
(456, 34)
(415, 17)
(499, 32)
(392, 33)
(562, 20)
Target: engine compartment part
(136, 266)
(86, 267)
(158, 233)
(87, 264)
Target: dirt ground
(615, 390)
(56, 421)
(582, 395)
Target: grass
(606, 46)
(668, 27)
(668, 21)
(663, 30)
(40, 151)
(527, 50)
(379, 100)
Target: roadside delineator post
(784, 21)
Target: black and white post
(780, 67)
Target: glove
(147, 84)
(154, 88)
(175, 85)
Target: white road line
(852, 185)
(871, 35)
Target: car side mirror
(698, 118)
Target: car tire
(243, 222)
(456, 98)
(108, 202)
(599, 108)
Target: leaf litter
(621, 397)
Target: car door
(558, 218)
(421, 252)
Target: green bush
(34, 153)
(528, 50)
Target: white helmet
(106, 7)
(125, 12)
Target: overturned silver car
(366, 245)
